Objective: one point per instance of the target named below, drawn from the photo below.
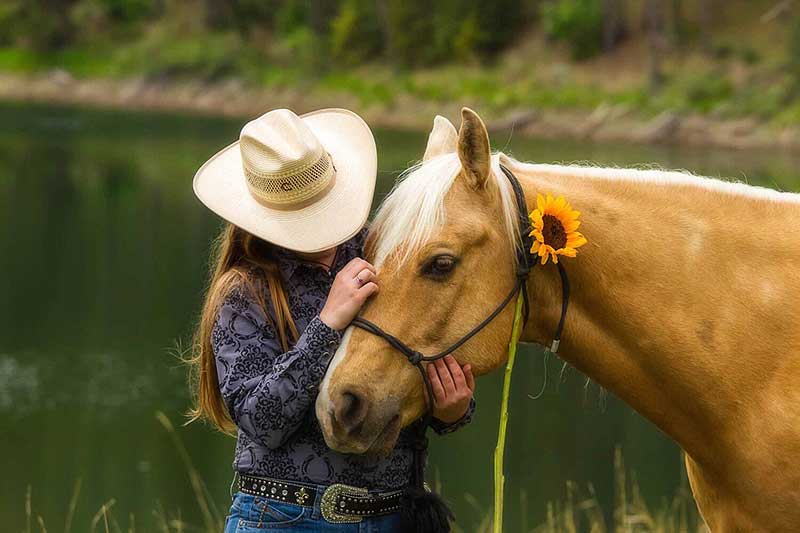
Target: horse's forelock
(415, 208)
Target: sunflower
(554, 228)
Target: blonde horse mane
(656, 176)
(415, 208)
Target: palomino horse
(684, 304)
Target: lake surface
(103, 251)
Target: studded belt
(339, 503)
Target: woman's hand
(452, 386)
(352, 286)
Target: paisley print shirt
(270, 393)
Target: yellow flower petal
(561, 210)
(569, 215)
(575, 240)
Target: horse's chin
(380, 445)
(384, 444)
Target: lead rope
(557, 337)
(499, 450)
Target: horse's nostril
(350, 410)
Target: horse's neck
(679, 301)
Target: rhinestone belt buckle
(334, 500)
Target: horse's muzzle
(357, 423)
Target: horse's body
(683, 303)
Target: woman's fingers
(455, 370)
(445, 377)
(365, 276)
(436, 384)
(347, 295)
(367, 290)
(470, 377)
(356, 265)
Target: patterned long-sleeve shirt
(270, 393)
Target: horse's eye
(439, 267)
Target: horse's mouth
(381, 444)
(384, 443)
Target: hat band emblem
(291, 190)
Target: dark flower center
(553, 232)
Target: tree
(613, 23)
(705, 17)
(656, 40)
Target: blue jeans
(257, 514)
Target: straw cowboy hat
(304, 183)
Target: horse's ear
(473, 148)
(442, 140)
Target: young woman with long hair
(287, 279)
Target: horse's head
(443, 243)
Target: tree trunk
(654, 28)
(613, 23)
(705, 18)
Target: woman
(288, 279)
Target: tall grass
(578, 511)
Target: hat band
(293, 191)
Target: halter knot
(415, 357)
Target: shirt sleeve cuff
(443, 428)
(319, 341)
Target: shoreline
(231, 98)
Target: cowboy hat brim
(338, 215)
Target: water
(103, 253)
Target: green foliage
(705, 93)
(425, 33)
(793, 52)
(8, 20)
(468, 38)
(368, 91)
(411, 33)
(355, 47)
(303, 47)
(355, 33)
(126, 10)
(290, 16)
(248, 15)
(408, 33)
(43, 25)
(577, 22)
(499, 23)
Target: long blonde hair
(239, 260)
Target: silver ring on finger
(359, 280)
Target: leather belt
(339, 503)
